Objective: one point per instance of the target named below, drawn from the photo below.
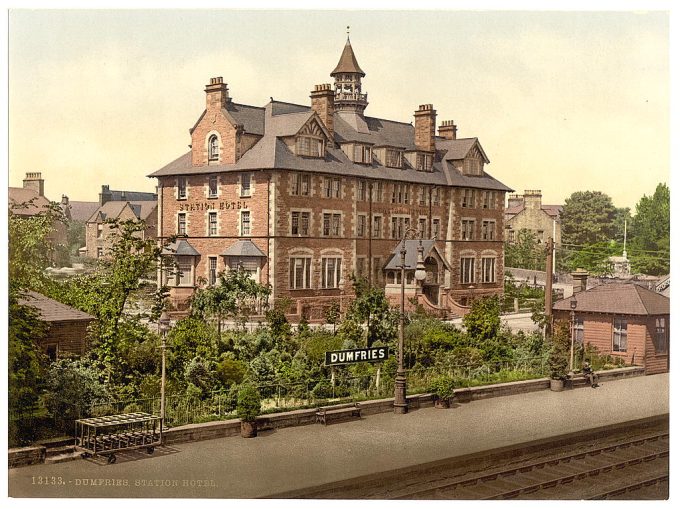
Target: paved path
(294, 458)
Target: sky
(561, 101)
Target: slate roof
(180, 247)
(348, 62)
(19, 196)
(130, 196)
(244, 248)
(411, 254)
(82, 210)
(113, 209)
(270, 152)
(553, 211)
(52, 311)
(620, 299)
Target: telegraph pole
(550, 248)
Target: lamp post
(400, 405)
(572, 304)
(164, 327)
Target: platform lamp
(572, 304)
(400, 405)
(164, 327)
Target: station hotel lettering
(304, 196)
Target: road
(299, 457)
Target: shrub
(248, 403)
(443, 386)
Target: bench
(579, 380)
(338, 412)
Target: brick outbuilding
(624, 320)
(67, 326)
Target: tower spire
(347, 75)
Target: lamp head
(164, 322)
(573, 303)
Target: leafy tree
(525, 253)
(650, 248)
(593, 257)
(483, 321)
(107, 292)
(30, 251)
(29, 254)
(73, 385)
(372, 308)
(235, 296)
(332, 314)
(25, 362)
(188, 339)
(587, 218)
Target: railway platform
(288, 459)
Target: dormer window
(393, 158)
(213, 148)
(310, 146)
(423, 162)
(363, 154)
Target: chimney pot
(448, 130)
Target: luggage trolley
(105, 436)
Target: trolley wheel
(149, 450)
(85, 455)
(111, 459)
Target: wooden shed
(67, 326)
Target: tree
(525, 252)
(372, 308)
(30, 251)
(650, 248)
(29, 254)
(107, 292)
(73, 386)
(235, 296)
(587, 218)
(483, 320)
(25, 363)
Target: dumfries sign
(377, 354)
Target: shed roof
(620, 299)
(52, 311)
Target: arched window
(213, 148)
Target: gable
(314, 127)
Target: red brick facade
(644, 344)
(331, 193)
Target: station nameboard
(377, 354)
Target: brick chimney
(532, 199)
(35, 181)
(323, 103)
(448, 130)
(515, 199)
(426, 122)
(580, 280)
(216, 94)
(105, 195)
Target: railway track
(629, 461)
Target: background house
(526, 212)
(29, 201)
(99, 235)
